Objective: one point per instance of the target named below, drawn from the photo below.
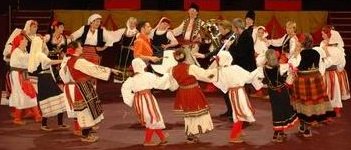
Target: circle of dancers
(56, 73)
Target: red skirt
(191, 101)
(89, 53)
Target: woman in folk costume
(335, 40)
(287, 43)
(189, 30)
(93, 37)
(275, 76)
(87, 105)
(68, 89)
(50, 97)
(190, 101)
(23, 95)
(6, 88)
(331, 75)
(139, 97)
(56, 42)
(259, 35)
(309, 97)
(234, 85)
(260, 45)
(30, 31)
(124, 39)
(162, 38)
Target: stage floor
(120, 130)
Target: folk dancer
(50, 98)
(190, 101)
(309, 93)
(87, 104)
(144, 103)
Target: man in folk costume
(23, 94)
(309, 94)
(139, 97)
(87, 105)
(190, 101)
(276, 76)
(124, 39)
(242, 50)
(234, 86)
(50, 97)
(227, 38)
(189, 30)
(288, 42)
(331, 74)
(93, 37)
(162, 38)
(142, 45)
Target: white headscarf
(131, 32)
(8, 46)
(93, 17)
(138, 65)
(254, 32)
(27, 27)
(225, 59)
(35, 49)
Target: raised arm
(93, 70)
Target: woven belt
(189, 86)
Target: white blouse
(19, 59)
(92, 37)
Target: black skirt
(283, 113)
(47, 87)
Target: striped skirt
(344, 84)
(89, 53)
(309, 97)
(242, 109)
(147, 110)
(333, 88)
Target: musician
(242, 50)
(189, 30)
(226, 33)
(249, 21)
(162, 37)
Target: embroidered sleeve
(178, 30)
(93, 70)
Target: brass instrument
(211, 31)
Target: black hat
(195, 6)
(250, 14)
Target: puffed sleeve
(127, 93)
